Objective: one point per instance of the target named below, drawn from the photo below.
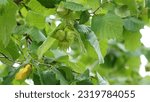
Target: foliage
(72, 42)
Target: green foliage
(72, 42)
(7, 20)
(107, 26)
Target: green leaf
(145, 81)
(7, 21)
(36, 79)
(103, 46)
(36, 35)
(122, 11)
(67, 73)
(11, 51)
(3, 2)
(77, 67)
(107, 26)
(92, 39)
(45, 46)
(83, 2)
(3, 70)
(133, 24)
(49, 78)
(101, 80)
(94, 5)
(74, 6)
(35, 6)
(94, 42)
(60, 77)
(9, 78)
(132, 40)
(130, 3)
(84, 17)
(84, 79)
(133, 62)
(49, 3)
(36, 20)
(147, 2)
(22, 29)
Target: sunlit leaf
(35, 19)
(132, 40)
(45, 46)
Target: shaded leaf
(60, 77)
(147, 3)
(67, 73)
(133, 24)
(49, 3)
(11, 51)
(36, 79)
(84, 17)
(49, 78)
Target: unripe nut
(60, 35)
(61, 11)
